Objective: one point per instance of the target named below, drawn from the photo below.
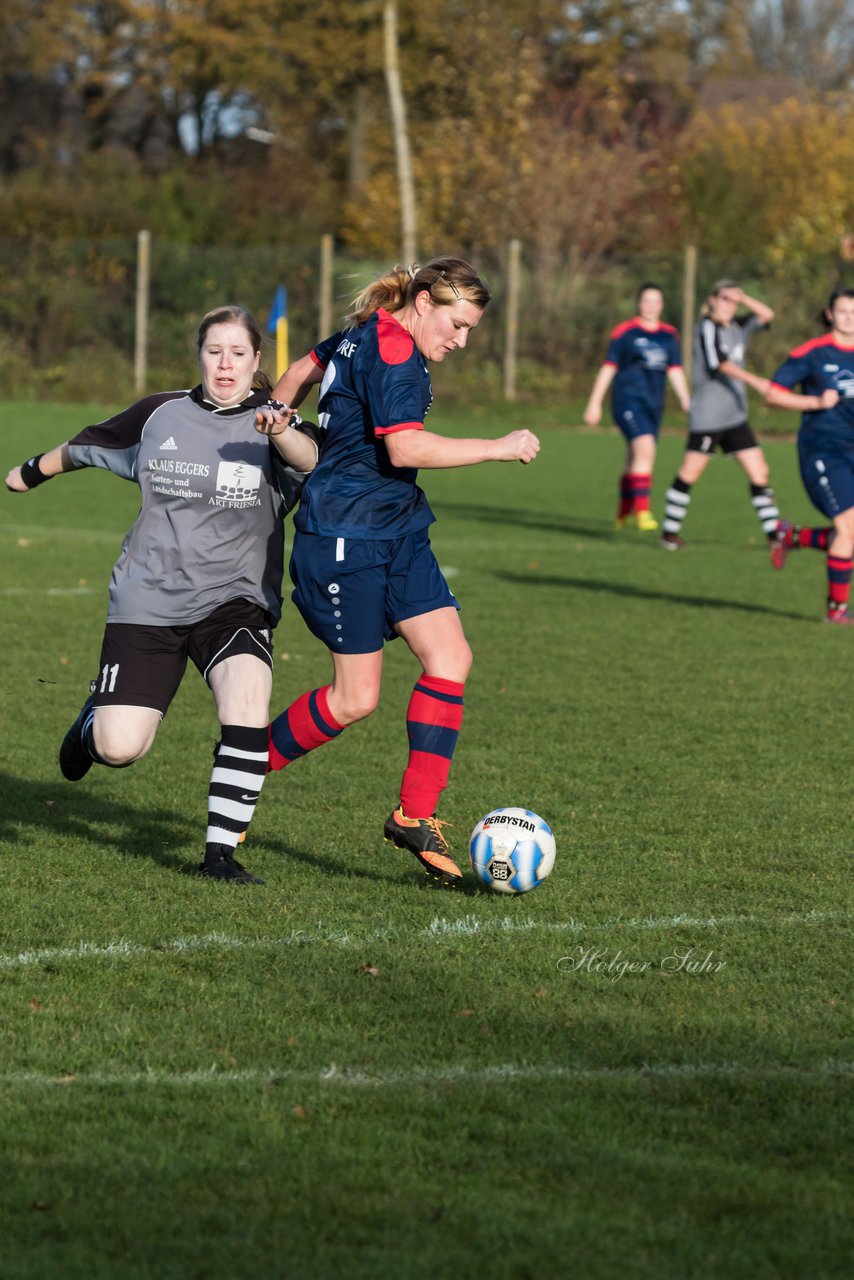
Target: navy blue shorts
(352, 592)
(636, 420)
(827, 470)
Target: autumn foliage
(587, 132)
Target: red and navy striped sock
(433, 720)
(817, 539)
(641, 487)
(626, 496)
(306, 724)
(838, 582)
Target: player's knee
(465, 660)
(356, 705)
(452, 664)
(117, 748)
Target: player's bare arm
(782, 398)
(764, 314)
(276, 420)
(754, 380)
(416, 448)
(297, 381)
(593, 410)
(39, 468)
(678, 382)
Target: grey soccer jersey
(719, 402)
(214, 495)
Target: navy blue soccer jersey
(642, 358)
(820, 365)
(375, 382)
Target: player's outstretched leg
(240, 766)
(77, 752)
(641, 492)
(433, 720)
(765, 505)
(306, 725)
(839, 572)
(675, 510)
(626, 500)
(791, 537)
(423, 838)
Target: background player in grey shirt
(199, 574)
(718, 415)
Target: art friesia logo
(688, 961)
(237, 485)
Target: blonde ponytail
(447, 280)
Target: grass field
(641, 1070)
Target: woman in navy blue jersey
(823, 369)
(643, 354)
(362, 566)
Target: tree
(800, 39)
(397, 107)
(778, 185)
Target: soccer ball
(512, 850)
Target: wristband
(31, 474)
(281, 407)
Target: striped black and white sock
(676, 506)
(236, 781)
(762, 497)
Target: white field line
(440, 927)
(50, 591)
(59, 533)
(505, 1073)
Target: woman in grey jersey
(718, 414)
(199, 574)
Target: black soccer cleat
(423, 838)
(221, 864)
(74, 760)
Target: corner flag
(277, 323)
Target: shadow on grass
(551, 522)
(336, 867)
(68, 812)
(631, 592)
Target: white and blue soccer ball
(512, 850)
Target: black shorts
(733, 440)
(143, 666)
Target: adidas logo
(169, 444)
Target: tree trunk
(401, 138)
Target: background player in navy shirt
(823, 368)
(362, 566)
(200, 572)
(642, 355)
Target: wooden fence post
(689, 303)
(511, 320)
(325, 298)
(143, 290)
